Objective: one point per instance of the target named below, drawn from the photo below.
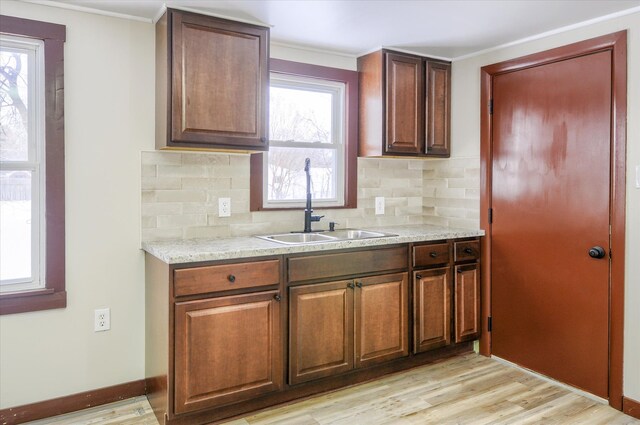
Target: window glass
(14, 104)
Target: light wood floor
(469, 389)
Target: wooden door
(438, 108)
(467, 302)
(227, 349)
(404, 104)
(381, 318)
(550, 200)
(432, 309)
(219, 82)
(320, 330)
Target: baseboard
(631, 407)
(71, 403)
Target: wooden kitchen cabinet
(404, 105)
(381, 319)
(227, 349)
(431, 309)
(320, 330)
(212, 82)
(467, 302)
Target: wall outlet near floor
(224, 207)
(102, 321)
(379, 205)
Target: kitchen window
(31, 166)
(312, 114)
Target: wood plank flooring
(468, 389)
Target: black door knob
(596, 252)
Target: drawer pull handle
(418, 276)
(468, 251)
(359, 284)
(433, 254)
(231, 278)
(351, 285)
(277, 297)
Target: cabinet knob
(350, 285)
(468, 251)
(597, 252)
(433, 254)
(231, 278)
(418, 276)
(263, 140)
(459, 270)
(277, 297)
(359, 284)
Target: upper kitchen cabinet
(212, 82)
(404, 105)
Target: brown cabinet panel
(381, 321)
(431, 255)
(218, 83)
(226, 277)
(438, 111)
(320, 330)
(404, 104)
(432, 309)
(227, 349)
(467, 302)
(466, 251)
(346, 263)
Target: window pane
(299, 115)
(287, 179)
(15, 226)
(14, 138)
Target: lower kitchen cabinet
(336, 326)
(227, 349)
(320, 330)
(467, 302)
(382, 317)
(432, 309)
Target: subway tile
(249, 229)
(450, 173)
(240, 160)
(240, 183)
(450, 193)
(407, 174)
(195, 232)
(394, 183)
(472, 193)
(148, 170)
(368, 163)
(437, 221)
(230, 172)
(153, 183)
(183, 171)
(464, 223)
(161, 158)
(182, 220)
(161, 234)
(148, 196)
(199, 208)
(205, 183)
(205, 158)
(161, 208)
(466, 183)
(180, 195)
(428, 183)
(148, 222)
(451, 212)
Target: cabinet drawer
(226, 277)
(429, 255)
(466, 251)
(347, 263)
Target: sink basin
(357, 234)
(299, 238)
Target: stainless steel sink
(300, 238)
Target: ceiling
(443, 28)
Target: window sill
(44, 299)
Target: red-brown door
(550, 200)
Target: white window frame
(35, 162)
(338, 139)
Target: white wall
(109, 103)
(465, 142)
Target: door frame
(616, 43)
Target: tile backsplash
(180, 192)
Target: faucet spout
(308, 211)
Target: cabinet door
(432, 309)
(467, 302)
(438, 110)
(227, 349)
(320, 330)
(381, 321)
(404, 104)
(219, 82)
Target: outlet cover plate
(224, 207)
(102, 319)
(379, 205)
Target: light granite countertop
(195, 250)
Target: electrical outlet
(379, 205)
(102, 320)
(224, 207)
